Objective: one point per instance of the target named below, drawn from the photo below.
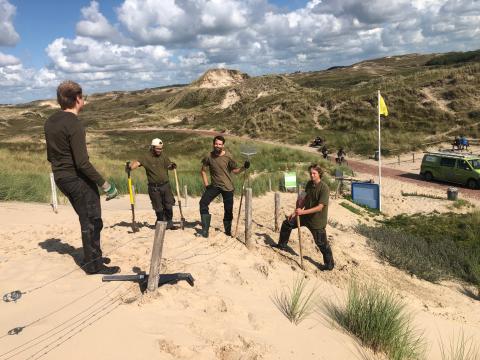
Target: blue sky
(134, 44)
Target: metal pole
(379, 159)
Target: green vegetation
(432, 247)
(455, 58)
(296, 303)
(29, 180)
(423, 195)
(378, 319)
(426, 103)
(460, 348)
(351, 208)
(461, 203)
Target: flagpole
(379, 159)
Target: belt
(157, 184)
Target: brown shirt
(67, 148)
(156, 167)
(220, 170)
(316, 194)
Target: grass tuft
(460, 348)
(379, 321)
(296, 303)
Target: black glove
(246, 164)
(173, 166)
(127, 167)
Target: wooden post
(248, 217)
(398, 159)
(54, 194)
(300, 242)
(185, 194)
(277, 210)
(413, 157)
(270, 184)
(155, 262)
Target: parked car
(456, 168)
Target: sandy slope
(229, 313)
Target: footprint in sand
(176, 351)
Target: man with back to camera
(75, 176)
(221, 166)
(313, 212)
(157, 164)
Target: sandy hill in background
(215, 78)
(430, 97)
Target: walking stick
(182, 219)
(241, 200)
(132, 199)
(300, 241)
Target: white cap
(157, 143)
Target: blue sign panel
(366, 194)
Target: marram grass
(379, 320)
(296, 303)
(460, 348)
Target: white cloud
(95, 25)
(8, 60)
(157, 42)
(8, 35)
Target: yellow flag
(383, 107)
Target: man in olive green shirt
(221, 166)
(156, 164)
(313, 212)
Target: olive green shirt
(316, 194)
(220, 170)
(156, 167)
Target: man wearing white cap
(157, 164)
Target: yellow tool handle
(130, 191)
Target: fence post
(248, 218)
(155, 262)
(54, 194)
(413, 157)
(185, 194)
(398, 159)
(277, 210)
(269, 184)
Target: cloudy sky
(134, 44)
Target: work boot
(90, 261)
(169, 216)
(104, 270)
(171, 226)
(329, 264)
(205, 224)
(160, 216)
(227, 225)
(285, 231)
(320, 237)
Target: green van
(461, 169)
